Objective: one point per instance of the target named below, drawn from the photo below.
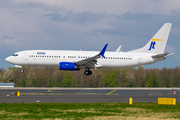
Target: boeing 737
(152, 52)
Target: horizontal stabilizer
(160, 55)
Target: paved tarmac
(86, 95)
(83, 98)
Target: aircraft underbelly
(117, 64)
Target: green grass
(88, 111)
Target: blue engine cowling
(68, 66)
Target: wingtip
(103, 51)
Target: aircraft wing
(90, 62)
(160, 55)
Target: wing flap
(85, 61)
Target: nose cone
(8, 59)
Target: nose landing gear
(22, 71)
(87, 72)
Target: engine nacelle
(68, 66)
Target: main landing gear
(87, 72)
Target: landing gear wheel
(87, 72)
(22, 71)
(90, 72)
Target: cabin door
(25, 57)
(139, 59)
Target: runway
(86, 95)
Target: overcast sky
(87, 25)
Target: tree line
(53, 77)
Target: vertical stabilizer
(158, 42)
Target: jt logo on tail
(153, 43)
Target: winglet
(119, 48)
(103, 51)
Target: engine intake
(68, 66)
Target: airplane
(152, 52)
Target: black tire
(22, 71)
(86, 72)
(90, 72)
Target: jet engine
(68, 66)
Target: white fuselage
(52, 58)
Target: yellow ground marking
(111, 92)
(22, 94)
(57, 91)
(157, 40)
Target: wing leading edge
(92, 61)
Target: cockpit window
(14, 54)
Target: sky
(87, 25)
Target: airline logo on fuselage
(153, 43)
(41, 53)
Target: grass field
(88, 111)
